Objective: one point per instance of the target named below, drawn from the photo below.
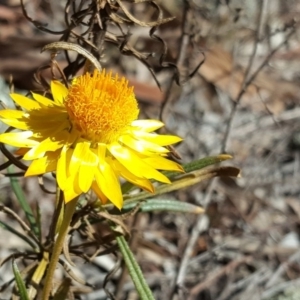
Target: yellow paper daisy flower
(89, 134)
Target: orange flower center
(101, 106)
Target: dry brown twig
(201, 225)
(279, 288)
(213, 277)
(185, 40)
(24, 226)
(248, 79)
(281, 269)
(257, 277)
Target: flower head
(89, 134)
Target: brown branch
(221, 272)
(247, 81)
(185, 39)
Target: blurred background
(242, 100)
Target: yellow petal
(87, 169)
(69, 171)
(142, 146)
(101, 151)
(162, 140)
(135, 164)
(18, 139)
(14, 118)
(59, 131)
(72, 183)
(11, 114)
(43, 165)
(16, 124)
(44, 146)
(77, 154)
(70, 186)
(140, 182)
(99, 193)
(59, 92)
(70, 194)
(62, 165)
(42, 100)
(25, 102)
(109, 183)
(147, 125)
(158, 162)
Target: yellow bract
(89, 135)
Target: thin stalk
(58, 245)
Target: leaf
(20, 283)
(151, 205)
(38, 220)
(200, 164)
(134, 270)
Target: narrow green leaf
(38, 220)
(199, 164)
(24, 204)
(151, 205)
(17, 233)
(20, 283)
(134, 270)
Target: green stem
(63, 230)
(134, 270)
